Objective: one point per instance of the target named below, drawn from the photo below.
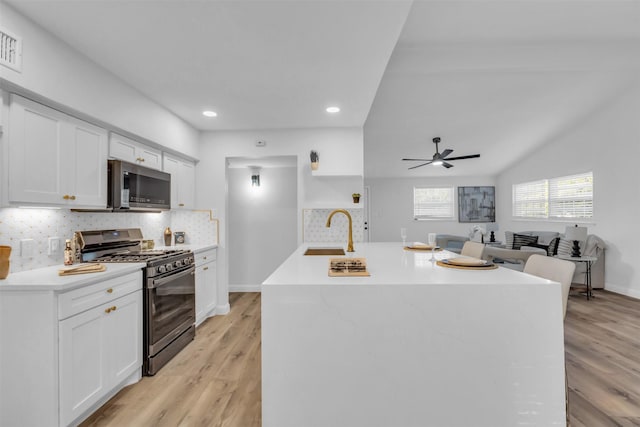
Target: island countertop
(388, 263)
(414, 344)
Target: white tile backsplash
(315, 225)
(40, 224)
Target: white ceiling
(498, 78)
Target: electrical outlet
(53, 246)
(27, 248)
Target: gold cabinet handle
(110, 309)
(180, 204)
(72, 197)
(205, 268)
(66, 197)
(204, 257)
(114, 308)
(110, 290)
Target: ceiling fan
(439, 158)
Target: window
(571, 196)
(530, 199)
(433, 203)
(566, 197)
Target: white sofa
(594, 246)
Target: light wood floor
(215, 381)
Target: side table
(588, 260)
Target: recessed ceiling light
(208, 113)
(333, 109)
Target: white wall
(391, 207)
(53, 71)
(607, 143)
(262, 224)
(216, 147)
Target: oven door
(171, 307)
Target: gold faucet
(350, 243)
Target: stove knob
(178, 263)
(169, 266)
(162, 269)
(188, 261)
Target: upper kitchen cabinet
(183, 180)
(55, 159)
(131, 151)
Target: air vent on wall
(10, 50)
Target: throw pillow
(564, 247)
(520, 240)
(552, 249)
(508, 239)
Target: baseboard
(633, 293)
(245, 288)
(222, 309)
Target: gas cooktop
(140, 256)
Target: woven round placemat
(467, 267)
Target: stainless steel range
(169, 292)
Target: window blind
(571, 196)
(530, 199)
(433, 203)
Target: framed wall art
(476, 204)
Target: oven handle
(156, 283)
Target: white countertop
(389, 263)
(47, 279)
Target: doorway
(262, 217)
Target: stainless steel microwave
(137, 188)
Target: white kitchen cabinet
(206, 284)
(55, 159)
(123, 148)
(183, 180)
(98, 349)
(64, 353)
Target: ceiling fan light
(437, 163)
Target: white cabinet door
(36, 156)
(99, 348)
(206, 290)
(55, 159)
(131, 151)
(183, 177)
(88, 177)
(83, 377)
(124, 335)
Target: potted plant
(356, 197)
(314, 160)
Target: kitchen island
(414, 344)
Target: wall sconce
(255, 176)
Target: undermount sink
(324, 251)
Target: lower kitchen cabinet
(98, 349)
(63, 352)
(206, 284)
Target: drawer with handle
(205, 256)
(84, 298)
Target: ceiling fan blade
(447, 165)
(424, 164)
(445, 153)
(418, 160)
(471, 156)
